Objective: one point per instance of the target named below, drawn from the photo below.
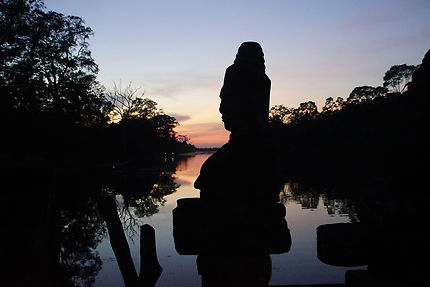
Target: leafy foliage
(332, 106)
(49, 95)
(281, 114)
(127, 104)
(46, 64)
(397, 77)
(365, 94)
(371, 137)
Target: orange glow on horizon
(205, 134)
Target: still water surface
(300, 265)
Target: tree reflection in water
(54, 225)
(309, 198)
(141, 196)
(81, 231)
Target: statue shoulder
(211, 166)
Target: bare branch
(128, 103)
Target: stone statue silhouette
(232, 172)
(238, 221)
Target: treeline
(377, 136)
(52, 107)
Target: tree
(143, 125)
(305, 111)
(17, 22)
(46, 64)
(127, 104)
(144, 108)
(340, 102)
(183, 139)
(365, 94)
(398, 76)
(332, 106)
(280, 114)
(165, 125)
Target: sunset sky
(177, 51)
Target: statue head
(246, 90)
(250, 53)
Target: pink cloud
(180, 118)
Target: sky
(176, 52)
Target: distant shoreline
(200, 151)
(207, 149)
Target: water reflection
(55, 219)
(80, 231)
(384, 231)
(55, 234)
(310, 198)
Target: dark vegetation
(372, 150)
(53, 110)
(55, 224)
(68, 146)
(376, 136)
